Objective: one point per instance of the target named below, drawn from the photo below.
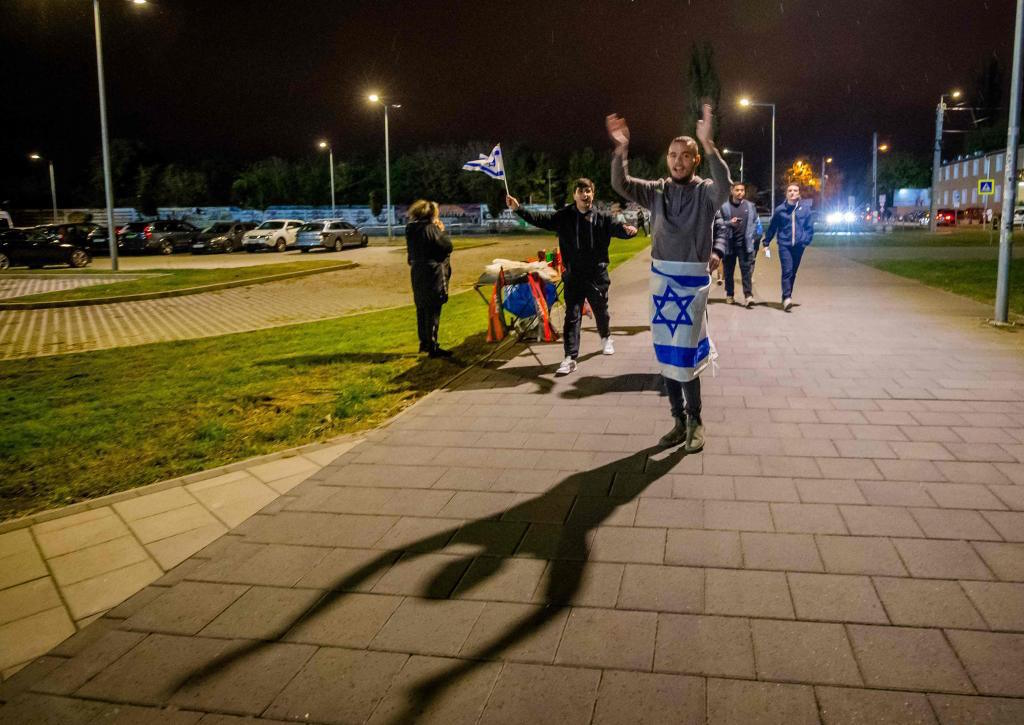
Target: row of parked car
(76, 243)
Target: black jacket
(424, 242)
(582, 238)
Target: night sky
(245, 80)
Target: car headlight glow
(849, 217)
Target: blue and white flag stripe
(679, 299)
(493, 165)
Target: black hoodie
(582, 238)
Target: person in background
(793, 222)
(744, 240)
(429, 253)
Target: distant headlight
(834, 218)
(849, 217)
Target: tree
(595, 166)
(182, 187)
(265, 183)
(801, 173)
(703, 87)
(990, 129)
(146, 189)
(897, 170)
(376, 205)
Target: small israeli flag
(679, 302)
(492, 165)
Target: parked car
(165, 236)
(945, 218)
(971, 215)
(72, 233)
(1018, 216)
(276, 234)
(221, 237)
(5, 221)
(35, 248)
(331, 234)
(97, 243)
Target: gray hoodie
(682, 214)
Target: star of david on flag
(493, 165)
(679, 298)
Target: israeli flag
(679, 302)
(492, 165)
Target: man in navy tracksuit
(584, 235)
(793, 222)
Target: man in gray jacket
(682, 208)
(744, 239)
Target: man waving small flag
(493, 165)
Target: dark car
(71, 233)
(221, 237)
(165, 236)
(945, 218)
(98, 243)
(35, 248)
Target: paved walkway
(12, 286)
(848, 548)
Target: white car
(1018, 216)
(330, 234)
(275, 234)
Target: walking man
(744, 240)
(682, 209)
(584, 235)
(793, 222)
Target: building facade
(958, 181)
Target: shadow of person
(566, 549)
(587, 386)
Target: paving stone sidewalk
(849, 548)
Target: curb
(173, 293)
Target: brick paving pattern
(12, 286)
(849, 548)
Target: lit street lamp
(108, 190)
(53, 183)
(745, 102)
(824, 160)
(374, 98)
(940, 112)
(736, 153)
(875, 148)
(330, 157)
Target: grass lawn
(79, 426)
(172, 279)
(959, 237)
(975, 278)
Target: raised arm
(539, 219)
(640, 191)
(721, 183)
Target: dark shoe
(694, 436)
(675, 436)
(440, 352)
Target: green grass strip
(974, 278)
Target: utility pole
(1010, 177)
(940, 113)
(549, 189)
(874, 170)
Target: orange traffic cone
(496, 327)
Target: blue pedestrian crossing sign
(986, 186)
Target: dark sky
(244, 80)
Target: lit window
(956, 171)
(999, 163)
(995, 197)
(975, 167)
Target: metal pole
(874, 170)
(387, 170)
(53, 193)
(773, 158)
(330, 156)
(1010, 177)
(108, 187)
(940, 112)
(823, 178)
(549, 188)
(741, 167)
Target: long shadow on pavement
(567, 552)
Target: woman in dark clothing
(429, 250)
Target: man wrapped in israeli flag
(684, 252)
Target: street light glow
(35, 157)
(373, 98)
(322, 144)
(744, 101)
(828, 160)
(139, 2)
(884, 147)
(955, 94)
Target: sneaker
(750, 302)
(607, 346)
(568, 366)
(729, 299)
(694, 436)
(719, 281)
(675, 436)
(440, 352)
(787, 304)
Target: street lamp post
(875, 148)
(824, 160)
(330, 159)
(53, 183)
(108, 191)
(1002, 309)
(736, 153)
(374, 98)
(747, 102)
(940, 113)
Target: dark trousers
(428, 319)
(746, 260)
(591, 286)
(684, 397)
(789, 260)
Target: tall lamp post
(736, 153)
(824, 160)
(875, 148)
(108, 190)
(330, 160)
(53, 183)
(374, 98)
(746, 102)
(940, 113)
(1002, 309)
